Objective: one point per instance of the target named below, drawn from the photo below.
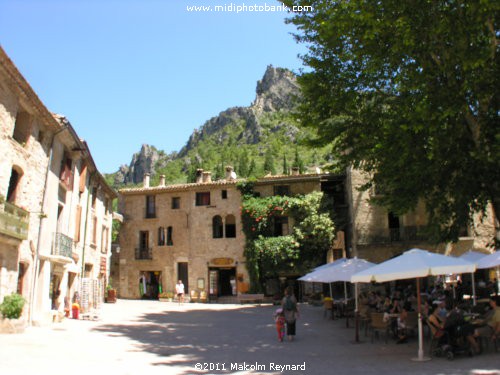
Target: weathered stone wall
(192, 234)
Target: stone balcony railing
(63, 245)
(14, 221)
(404, 234)
(143, 253)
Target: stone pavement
(151, 337)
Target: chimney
(162, 180)
(295, 171)
(146, 180)
(199, 176)
(229, 171)
(207, 176)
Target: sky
(130, 72)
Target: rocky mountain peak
(142, 162)
(276, 90)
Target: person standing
(289, 306)
(179, 290)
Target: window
(143, 240)
(15, 178)
(394, 227)
(65, 174)
(94, 230)
(176, 203)
(282, 190)
(224, 194)
(78, 222)
(22, 128)
(162, 235)
(150, 207)
(230, 226)
(203, 199)
(94, 197)
(170, 241)
(217, 227)
(83, 178)
(104, 239)
(281, 226)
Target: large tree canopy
(408, 91)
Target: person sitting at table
(386, 305)
(458, 328)
(491, 321)
(436, 325)
(403, 316)
(394, 311)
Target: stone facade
(168, 235)
(55, 215)
(377, 235)
(214, 260)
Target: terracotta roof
(177, 187)
(219, 183)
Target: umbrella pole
(356, 312)
(420, 328)
(473, 289)
(345, 306)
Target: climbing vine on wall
(306, 243)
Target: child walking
(279, 318)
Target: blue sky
(128, 72)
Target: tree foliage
(304, 247)
(408, 91)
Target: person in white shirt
(179, 290)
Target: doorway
(149, 284)
(222, 281)
(182, 274)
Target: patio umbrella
(489, 261)
(414, 264)
(340, 270)
(316, 277)
(473, 257)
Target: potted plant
(166, 296)
(110, 293)
(11, 310)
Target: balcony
(14, 221)
(143, 253)
(404, 234)
(63, 245)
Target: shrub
(12, 306)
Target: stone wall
(192, 238)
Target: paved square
(151, 337)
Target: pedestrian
(179, 290)
(289, 306)
(279, 318)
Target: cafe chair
(377, 325)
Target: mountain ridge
(244, 137)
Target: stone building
(377, 234)
(189, 232)
(193, 231)
(55, 210)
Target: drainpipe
(36, 260)
(82, 273)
